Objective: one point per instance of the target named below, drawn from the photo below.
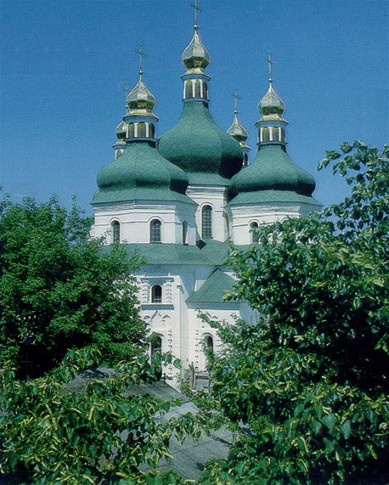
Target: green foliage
(308, 384)
(60, 290)
(61, 428)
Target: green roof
(270, 196)
(141, 173)
(272, 170)
(213, 290)
(199, 146)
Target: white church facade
(179, 200)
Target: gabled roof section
(213, 289)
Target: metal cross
(270, 62)
(196, 10)
(236, 96)
(142, 54)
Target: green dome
(200, 147)
(140, 173)
(272, 169)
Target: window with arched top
(265, 134)
(206, 222)
(198, 88)
(131, 130)
(156, 294)
(141, 130)
(155, 343)
(254, 233)
(245, 160)
(276, 135)
(184, 232)
(151, 130)
(188, 90)
(155, 231)
(208, 341)
(115, 226)
(283, 134)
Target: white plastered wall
(135, 218)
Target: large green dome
(202, 149)
(271, 170)
(140, 172)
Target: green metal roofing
(141, 173)
(199, 146)
(269, 196)
(213, 290)
(272, 170)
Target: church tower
(200, 147)
(273, 187)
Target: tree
(307, 385)
(60, 290)
(60, 428)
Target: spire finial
(142, 54)
(236, 96)
(270, 63)
(197, 9)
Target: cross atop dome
(141, 54)
(196, 9)
(270, 63)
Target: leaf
(346, 429)
(329, 421)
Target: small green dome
(195, 54)
(202, 149)
(271, 103)
(140, 167)
(272, 169)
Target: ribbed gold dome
(195, 54)
(121, 130)
(271, 103)
(237, 130)
(140, 97)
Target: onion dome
(202, 149)
(271, 104)
(237, 130)
(140, 100)
(195, 54)
(141, 173)
(121, 130)
(272, 177)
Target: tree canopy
(307, 385)
(59, 290)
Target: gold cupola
(238, 131)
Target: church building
(179, 200)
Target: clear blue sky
(64, 65)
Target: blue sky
(64, 65)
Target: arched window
(156, 343)
(184, 232)
(156, 294)
(205, 90)
(206, 222)
(208, 341)
(254, 234)
(276, 136)
(245, 160)
(188, 90)
(265, 134)
(115, 232)
(151, 130)
(131, 131)
(142, 130)
(198, 88)
(155, 231)
(283, 135)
